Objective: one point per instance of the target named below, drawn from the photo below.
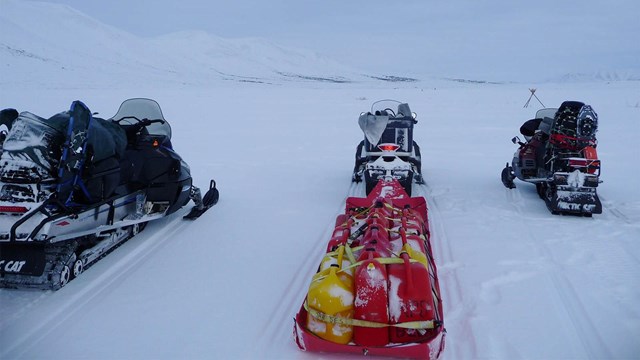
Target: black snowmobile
(73, 187)
(388, 150)
(559, 156)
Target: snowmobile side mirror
(516, 140)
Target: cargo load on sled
(376, 291)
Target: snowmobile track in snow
(75, 303)
(614, 211)
(595, 347)
(449, 279)
(278, 330)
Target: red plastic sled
(376, 291)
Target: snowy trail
(276, 335)
(59, 308)
(594, 346)
(516, 281)
(456, 309)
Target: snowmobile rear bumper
(583, 201)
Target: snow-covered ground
(517, 282)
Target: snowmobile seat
(529, 127)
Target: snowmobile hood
(373, 126)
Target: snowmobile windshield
(391, 108)
(548, 112)
(133, 110)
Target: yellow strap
(426, 324)
(384, 261)
(350, 255)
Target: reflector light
(155, 143)
(13, 209)
(388, 147)
(583, 163)
(577, 162)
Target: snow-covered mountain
(58, 45)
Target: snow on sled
(376, 291)
(74, 187)
(559, 156)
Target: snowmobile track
(278, 329)
(449, 280)
(595, 347)
(614, 211)
(75, 303)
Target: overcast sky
(408, 36)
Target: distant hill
(56, 45)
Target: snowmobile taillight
(13, 209)
(388, 147)
(577, 163)
(560, 179)
(591, 165)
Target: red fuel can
(371, 300)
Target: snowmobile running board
(61, 246)
(93, 220)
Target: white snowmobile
(74, 187)
(388, 150)
(559, 156)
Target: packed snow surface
(517, 282)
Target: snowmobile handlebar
(135, 128)
(140, 122)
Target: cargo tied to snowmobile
(74, 187)
(388, 149)
(376, 290)
(559, 156)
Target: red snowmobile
(559, 156)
